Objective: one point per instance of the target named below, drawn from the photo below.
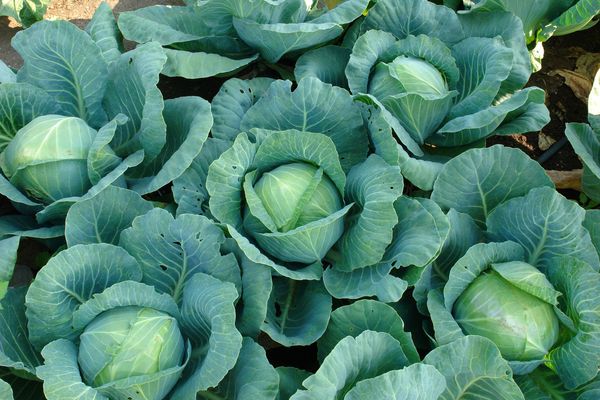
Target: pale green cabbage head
(129, 341)
(523, 326)
(47, 159)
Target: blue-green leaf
(132, 91)
(61, 375)
(353, 360)
(479, 180)
(577, 361)
(21, 103)
(188, 122)
(373, 186)
(5, 390)
(365, 315)
(414, 17)
(298, 312)
(171, 251)
(234, 99)
(290, 380)
(8, 249)
(313, 107)
(65, 62)
(415, 382)
(16, 352)
(189, 189)
(474, 368)
(326, 63)
(104, 31)
(252, 377)
(199, 65)
(208, 315)
(546, 224)
(102, 218)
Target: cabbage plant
(448, 80)
(516, 268)
(585, 139)
(150, 336)
(208, 38)
(70, 126)
(294, 187)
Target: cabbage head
(47, 159)
(523, 326)
(288, 196)
(141, 341)
(294, 195)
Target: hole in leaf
(163, 267)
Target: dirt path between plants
(77, 11)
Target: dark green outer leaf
(104, 31)
(16, 352)
(414, 17)
(373, 186)
(252, 377)
(208, 314)
(313, 107)
(474, 369)
(170, 251)
(234, 99)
